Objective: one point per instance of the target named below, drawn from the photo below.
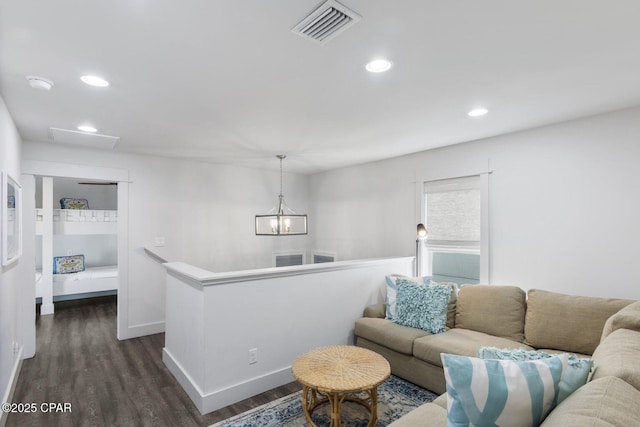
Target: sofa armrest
(441, 401)
(376, 310)
(627, 318)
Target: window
(452, 211)
(453, 217)
(288, 259)
(319, 257)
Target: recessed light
(378, 65)
(477, 112)
(87, 128)
(38, 82)
(95, 81)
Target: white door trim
(57, 169)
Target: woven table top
(341, 368)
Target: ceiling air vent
(326, 22)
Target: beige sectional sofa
(606, 330)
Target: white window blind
(452, 211)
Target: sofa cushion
(388, 334)
(375, 310)
(457, 341)
(567, 322)
(607, 401)
(627, 318)
(491, 392)
(427, 415)
(619, 355)
(453, 301)
(422, 306)
(441, 400)
(494, 310)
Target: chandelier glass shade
(281, 221)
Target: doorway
(77, 173)
(76, 240)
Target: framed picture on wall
(11, 219)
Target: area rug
(396, 397)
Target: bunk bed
(79, 281)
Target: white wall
(213, 320)
(564, 204)
(205, 213)
(9, 275)
(100, 197)
(563, 208)
(98, 249)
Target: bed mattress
(87, 274)
(93, 279)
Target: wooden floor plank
(108, 382)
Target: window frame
(323, 254)
(289, 254)
(484, 248)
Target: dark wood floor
(108, 382)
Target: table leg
(336, 406)
(311, 399)
(373, 409)
(309, 403)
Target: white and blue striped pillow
(501, 392)
(574, 376)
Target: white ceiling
(227, 81)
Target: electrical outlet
(159, 242)
(69, 251)
(16, 347)
(253, 356)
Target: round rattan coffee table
(340, 373)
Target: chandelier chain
(281, 157)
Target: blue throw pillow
(422, 306)
(505, 393)
(574, 376)
(392, 290)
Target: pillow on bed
(69, 203)
(68, 264)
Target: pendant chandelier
(281, 221)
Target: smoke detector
(327, 21)
(40, 83)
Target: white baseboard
(142, 330)
(237, 392)
(46, 309)
(11, 386)
(218, 399)
(187, 383)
